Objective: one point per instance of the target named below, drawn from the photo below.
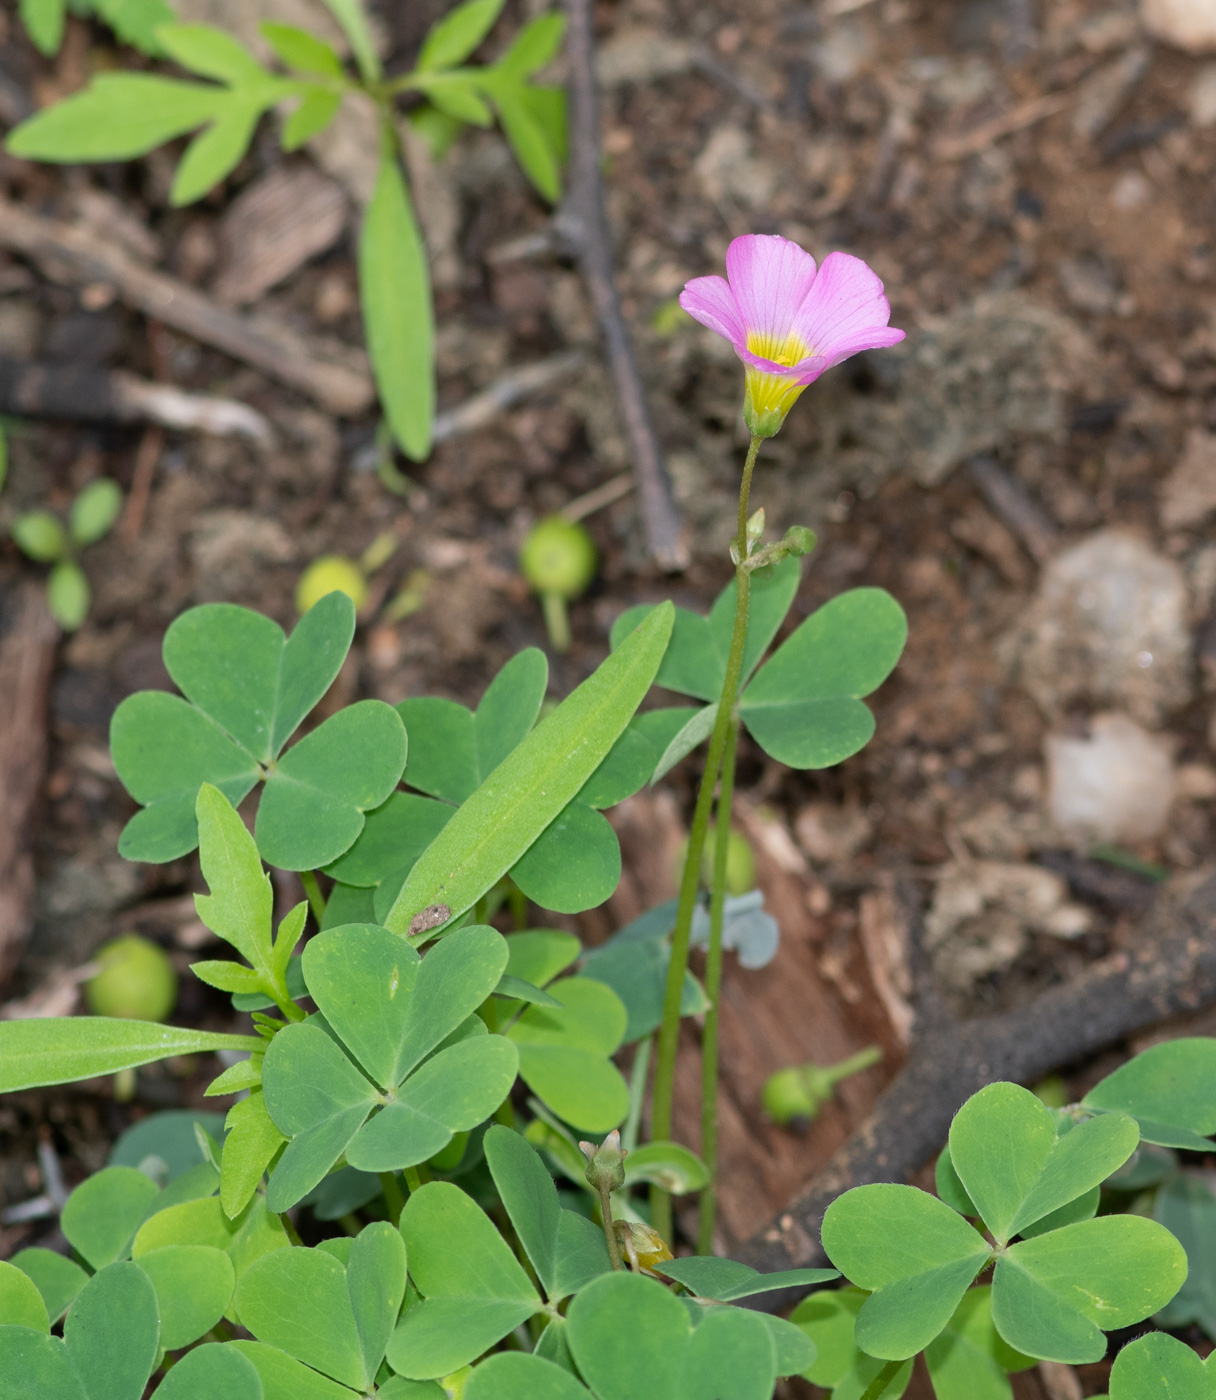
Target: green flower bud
(605, 1163)
(799, 540)
(740, 862)
(135, 980)
(331, 573)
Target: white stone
(1109, 629)
(1201, 99)
(1116, 785)
(1187, 24)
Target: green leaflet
(534, 782)
(474, 1290)
(1170, 1089)
(398, 318)
(1036, 1173)
(1160, 1367)
(194, 1285)
(57, 1051)
(566, 1249)
(211, 1371)
(452, 39)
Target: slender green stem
(394, 1197)
(878, 1386)
(614, 1248)
(289, 1226)
(518, 902)
(637, 1093)
(413, 1179)
(665, 1068)
(557, 620)
(316, 901)
(713, 987)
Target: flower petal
(845, 311)
(710, 301)
(770, 278)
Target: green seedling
(793, 1097)
(123, 115)
(558, 561)
(41, 536)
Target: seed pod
(135, 980)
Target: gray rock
(1108, 626)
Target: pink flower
(788, 321)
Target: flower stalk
(669, 1032)
(708, 1203)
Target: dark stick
(583, 222)
(1170, 969)
(1016, 507)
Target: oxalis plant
(123, 115)
(428, 1085)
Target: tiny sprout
(41, 537)
(793, 1097)
(135, 980)
(558, 561)
(331, 573)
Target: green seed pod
(40, 536)
(68, 595)
(796, 1095)
(558, 560)
(331, 573)
(135, 980)
(95, 510)
(558, 557)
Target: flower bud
(795, 1095)
(331, 573)
(606, 1163)
(135, 980)
(640, 1242)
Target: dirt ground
(1035, 186)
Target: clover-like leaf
(474, 1291)
(392, 1010)
(1052, 1296)
(513, 1375)
(564, 1053)
(57, 1279)
(103, 1213)
(1004, 1149)
(804, 706)
(112, 1333)
(1169, 1089)
(916, 1287)
(247, 687)
(969, 1360)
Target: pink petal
(710, 301)
(770, 277)
(845, 311)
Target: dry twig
(583, 222)
(335, 375)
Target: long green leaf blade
(118, 116)
(58, 1050)
(398, 318)
(507, 813)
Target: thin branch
(583, 222)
